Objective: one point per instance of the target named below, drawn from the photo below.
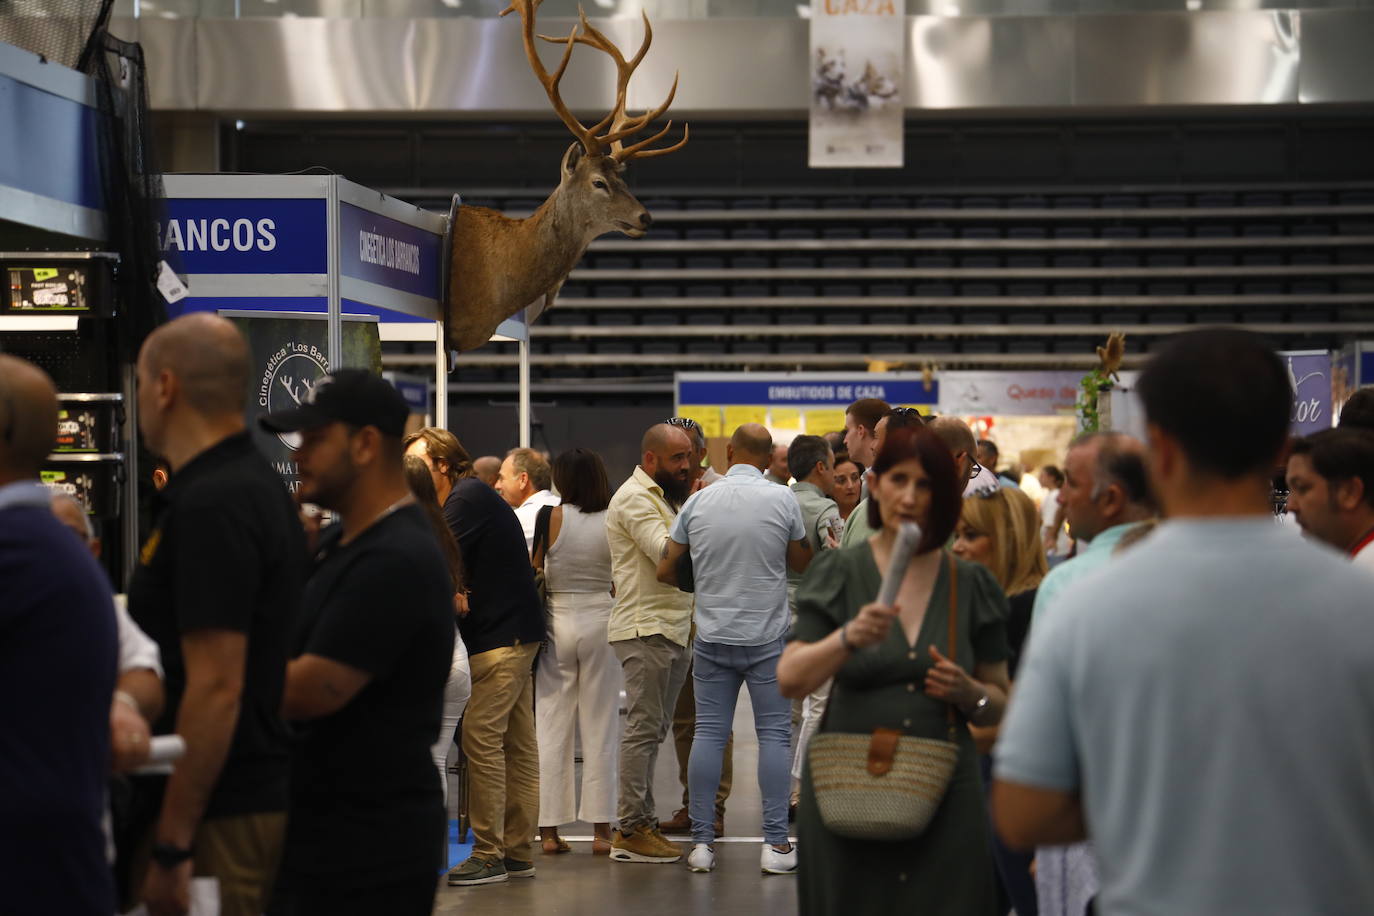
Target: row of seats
(982, 260)
(1014, 200)
(859, 318)
(1311, 231)
(854, 293)
(649, 363)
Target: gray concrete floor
(579, 884)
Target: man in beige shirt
(649, 630)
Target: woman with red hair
(893, 668)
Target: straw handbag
(884, 786)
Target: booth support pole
(334, 336)
(440, 380)
(525, 393)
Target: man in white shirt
(524, 483)
(138, 691)
(1331, 490)
(650, 632)
(1203, 707)
(743, 533)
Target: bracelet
(983, 702)
(844, 639)
(128, 700)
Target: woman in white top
(1052, 528)
(577, 684)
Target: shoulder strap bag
(884, 786)
(539, 553)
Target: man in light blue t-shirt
(1105, 495)
(743, 533)
(1204, 708)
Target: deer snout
(645, 220)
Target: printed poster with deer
(858, 52)
(288, 360)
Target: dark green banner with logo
(288, 358)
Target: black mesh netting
(58, 30)
(131, 181)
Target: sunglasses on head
(686, 423)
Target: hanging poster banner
(288, 359)
(858, 54)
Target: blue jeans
(718, 673)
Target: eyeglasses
(686, 423)
(976, 468)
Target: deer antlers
(618, 126)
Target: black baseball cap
(352, 396)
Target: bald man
(649, 630)
(57, 675)
(217, 585)
(488, 469)
(744, 534)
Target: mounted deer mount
(500, 265)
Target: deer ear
(571, 158)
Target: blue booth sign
(245, 236)
(808, 389)
(388, 252)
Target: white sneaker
(778, 863)
(702, 858)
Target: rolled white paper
(163, 751)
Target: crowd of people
(1152, 696)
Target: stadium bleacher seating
(1019, 276)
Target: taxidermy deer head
(499, 265)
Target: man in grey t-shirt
(811, 462)
(1204, 710)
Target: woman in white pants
(456, 692)
(577, 684)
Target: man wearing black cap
(366, 823)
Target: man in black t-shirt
(216, 585)
(57, 676)
(502, 631)
(374, 648)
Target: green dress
(948, 869)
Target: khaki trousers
(503, 756)
(243, 852)
(684, 729)
(655, 668)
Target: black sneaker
(478, 871)
(517, 869)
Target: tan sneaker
(667, 845)
(643, 845)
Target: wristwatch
(169, 856)
(978, 707)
